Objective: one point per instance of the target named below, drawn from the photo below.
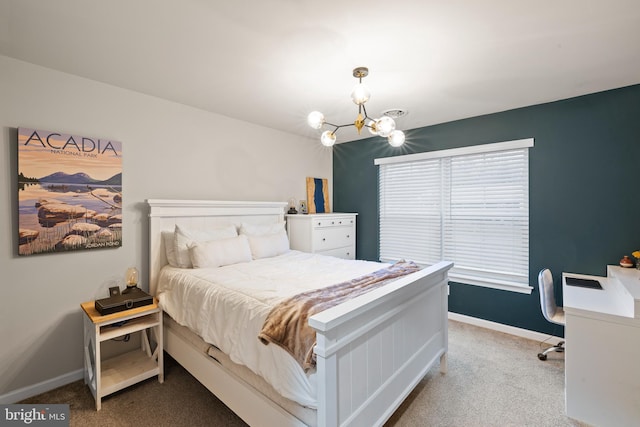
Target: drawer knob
(348, 236)
(319, 223)
(339, 222)
(333, 222)
(324, 240)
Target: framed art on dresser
(318, 195)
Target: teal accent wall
(584, 194)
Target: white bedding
(227, 307)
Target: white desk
(602, 358)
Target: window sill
(504, 286)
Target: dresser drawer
(345, 253)
(333, 237)
(333, 222)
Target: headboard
(164, 214)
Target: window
(468, 205)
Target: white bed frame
(371, 351)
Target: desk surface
(619, 296)
(630, 278)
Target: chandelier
(384, 126)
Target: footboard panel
(372, 351)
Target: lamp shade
(131, 276)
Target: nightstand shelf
(108, 376)
(133, 325)
(125, 370)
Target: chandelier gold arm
(359, 123)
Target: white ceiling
(271, 62)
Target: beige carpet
(494, 379)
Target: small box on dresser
(331, 234)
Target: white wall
(169, 151)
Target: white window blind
(469, 206)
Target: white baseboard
(44, 386)
(519, 332)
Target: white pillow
(216, 253)
(168, 239)
(268, 245)
(261, 229)
(185, 238)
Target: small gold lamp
(131, 277)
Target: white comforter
(227, 307)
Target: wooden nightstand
(108, 376)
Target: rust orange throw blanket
(287, 325)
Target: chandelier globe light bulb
(397, 138)
(360, 94)
(328, 138)
(315, 119)
(385, 125)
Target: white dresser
(327, 234)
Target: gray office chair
(550, 310)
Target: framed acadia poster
(69, 192)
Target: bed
(370, 351)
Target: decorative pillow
(268, 245)
(216, 253)
(261, 229)
(185, 238)
(168, 239)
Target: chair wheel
(542, 356)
